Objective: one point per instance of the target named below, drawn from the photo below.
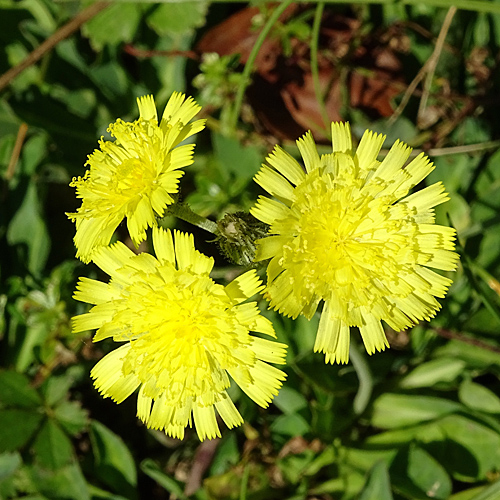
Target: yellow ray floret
(134, 176)
(345, 230)
(184, 335)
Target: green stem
(365, 378)
(314, 65)
(247, 70)
(244, 483)
(183, 212)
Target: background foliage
(418, 421)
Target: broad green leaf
(114, 25)
(491, 492)
(433, 372)
(391, 411)
(173, 486)
(15, 390)
(111, 79)
(16, 428)
(475, 451)
(363, 459)
(474, 356)
(9, 122)
(9, 463)
(468, 494)
(28, 227)
(418, 475)
(468, 449)
(113, 460)
(478, 397)
(378, 484)
(66, 483)
(100, 494)
(52, 447)
(34, 151)
(242, 161)
(290, 401)
(71, 416)
(178, 17)
(291, 425)
(55, 389)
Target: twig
(407, 95)
(21, 134)
(433, 60)
(46, 46)
(447, 334)
(429, 65)
(465, 149)
(134, 51)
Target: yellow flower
(183, 333)
(345, 231)
(135, 175)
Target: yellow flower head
(183, 333)
(135, 175)
(345, 231)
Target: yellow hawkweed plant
(346, 231)
(135, 175)
(183, 336)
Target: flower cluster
(343, 230)
(182, 334)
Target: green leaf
(478, 397)
(474, 356)
(34, 152)
(491, 492)
(100, 494)
(111, 79)
(361, 459)
(16, 428)
(9, 122)
(294, 466)
(113, 460)
(290, 401)
(398, 410)
(473, 451)
(468, 494)
(55, 389)
(28, 227)
(291, 425)
(227, 454)
(9, 463)
(66, 483)
(433, 372)
(419, 476)
(15, 390)
(52, 447)
(378, 484)
(114, 25)
(178, 17)
(71, 416)
(150, 468)
(242, 161)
